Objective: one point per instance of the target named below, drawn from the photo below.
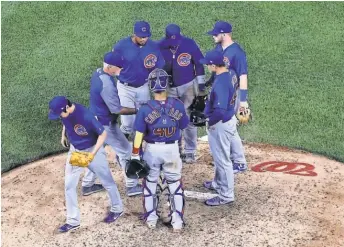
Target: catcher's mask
(136, 169)
(197, 118)
(158, 80)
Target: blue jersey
(222, 96)
(82, 128)
(235, 58)
(104, 100)
(182, 62)
(161, 121)
(139, 61)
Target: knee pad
(150, 199)
(176, 197)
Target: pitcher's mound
(286, 198)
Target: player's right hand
(64, 142)
(135, 157)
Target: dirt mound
(287, 198)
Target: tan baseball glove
(82, 159)
(244, 113)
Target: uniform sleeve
(196, 56)
(221, 96)
(96, 125)
(117, 46)
(184, 121)
(109, 94)
(140, 123)
(241, 64)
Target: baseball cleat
(112, 216)
(237, 167)
(136, 190)
(208, 185)
(216, 201)
(86, 191)
(67, 228)
(189, 158)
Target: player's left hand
(82, 159)
(244, 113)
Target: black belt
(169, 142)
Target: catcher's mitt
(244, 113)
(82, 159)
(136, 169)
(197, 118)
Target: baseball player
(235, 58)
(105, 105)
(85, 134)
(159, 123)
(182, 56)
(141, 56)
(221, 126)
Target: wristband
(243, 95)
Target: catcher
(86, 136)
(160, 123)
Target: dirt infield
(296, 199)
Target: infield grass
(295, 55)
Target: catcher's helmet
(158, 80)
(197, 118)
(136, 169)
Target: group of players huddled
(152, 86)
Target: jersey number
(235, 94)
(164, 132)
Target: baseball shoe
(86, 191)
(189, 158)
(67, 228)
(216, 201)
(208, 185)
(237, 167)
(136, 190)
(112, 216)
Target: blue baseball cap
(56, 107)
(173, 35)
(114, 58)
(213, 57)
(142, 29)
(220, 27)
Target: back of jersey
(164, 120)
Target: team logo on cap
(184, 59)
(144, 29)
(80, 130)
(150, 61)
(227, 63)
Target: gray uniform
(100, 167)
(104, 103)
(186, 93)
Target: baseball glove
(244, 113)
(198, 104)
(197, 118)
(82, 159)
